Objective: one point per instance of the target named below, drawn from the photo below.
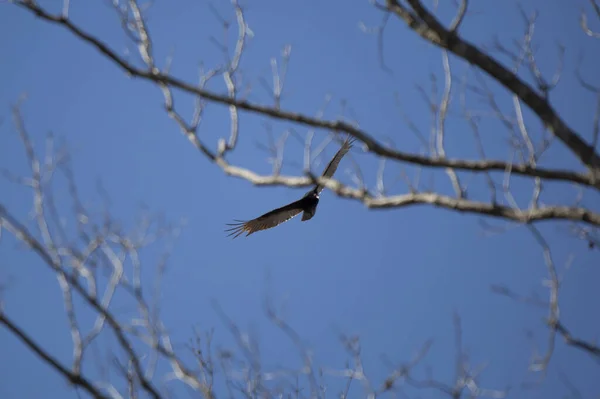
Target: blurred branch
(585, 346)
(72, 377)
(466, 379)
(553, 282)
(106, 245)
(583, 20)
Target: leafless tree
(99, 260)
(103, 246)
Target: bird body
(307, 205)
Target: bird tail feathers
(308, 214)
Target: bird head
(312, 194)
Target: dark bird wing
(266, 221)
(335, 161)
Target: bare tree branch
(73, 377)
(371, 144)
(428, 27)
(102, 247)
(583, 20)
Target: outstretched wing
(266, 221)
(333, 164)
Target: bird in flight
(306, 205)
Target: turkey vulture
(307, 204)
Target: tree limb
(431, 29)
(75, 379)
(372, 145)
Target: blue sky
(393, 277)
